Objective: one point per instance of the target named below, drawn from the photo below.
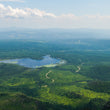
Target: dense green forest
(82, 83)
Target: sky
(68, 14)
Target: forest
(82, 83)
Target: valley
(82, 83)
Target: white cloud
(28, 12)
(11, 1)
(22, 13)
(36, 18)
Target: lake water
(31, 63)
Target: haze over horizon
(64, 14)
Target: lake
(47, 61)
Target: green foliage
(65, 87)
(95, 104)
(106, 106)
(99, 86)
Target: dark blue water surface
(31, 63)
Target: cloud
(11, 1)
(36, 18)
(8, 11)
(22, 13)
